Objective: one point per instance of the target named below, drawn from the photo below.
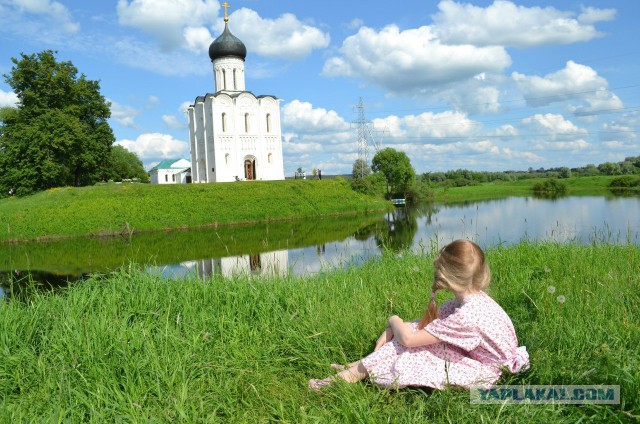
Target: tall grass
(132, 347)
(128, 208)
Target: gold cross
(225, 6)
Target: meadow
(113, 209)
(132, 347)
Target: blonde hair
(460, 266)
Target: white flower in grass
(561, 299)
(547, 270)
(551, 289)
(416, 269)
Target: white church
(234, 135)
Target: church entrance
(249, 169)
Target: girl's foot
(338, 367)
(317, 384)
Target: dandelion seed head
(547, 270)
(551, 289)
(561, 299)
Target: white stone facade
(234, 135)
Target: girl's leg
(356, 372)
(341, 367)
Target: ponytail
(431, 312)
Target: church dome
(227, 44)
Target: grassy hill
(128, 208)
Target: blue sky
(481, 85)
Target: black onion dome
(227, 44)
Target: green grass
(576, 186)
(115, 209)
(131, 347)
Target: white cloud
(504, 23)
(53, 9)
(301, 116)
(528, 156)
(167, 20)
(592, 15)
(8, 98)
(443, 126)
(562, 145)
(477, 95)
(410, 60)
(574, 82)
(155, 146)
(506, 130)
(197, 39)
(285, 37)
(125, 115)
(553, 125)
(173, 123)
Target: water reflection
(303, 247)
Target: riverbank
(576, 186)
(113, 209)
(137, 347)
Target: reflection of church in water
(275, 263)
(234, 134)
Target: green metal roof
(166, 164)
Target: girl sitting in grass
(468, 342)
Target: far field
(112, 209)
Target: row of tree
(58, 135)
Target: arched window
(246, 122)
(235, 85)
(226, 159)
(224, 79)
(270, 157)
(224, 122)
(166, 178)
(268, 122)
(173, 178)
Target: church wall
(209, 136)
(192, 143)
(200, 143)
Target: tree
(124, 164)
(396, 168)
(59, 134)
(360, 169)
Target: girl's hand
(384, 338)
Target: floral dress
(478, 341)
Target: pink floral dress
(478, 340)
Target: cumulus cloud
(155, 146)
(285, 37)
(562, 145)
(173, 123)
(552, 125)
(302, 116)
(410, 60)
(125, 115)
(433, 126)
(506, 24)
(574, 82)
(477, 95)
(188, 24)
(167, 20)
(54, 10)
(8, 99)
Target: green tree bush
(59, 134)
(123, 165)
(396, 167)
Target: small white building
(234, 135)
(171, 171)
